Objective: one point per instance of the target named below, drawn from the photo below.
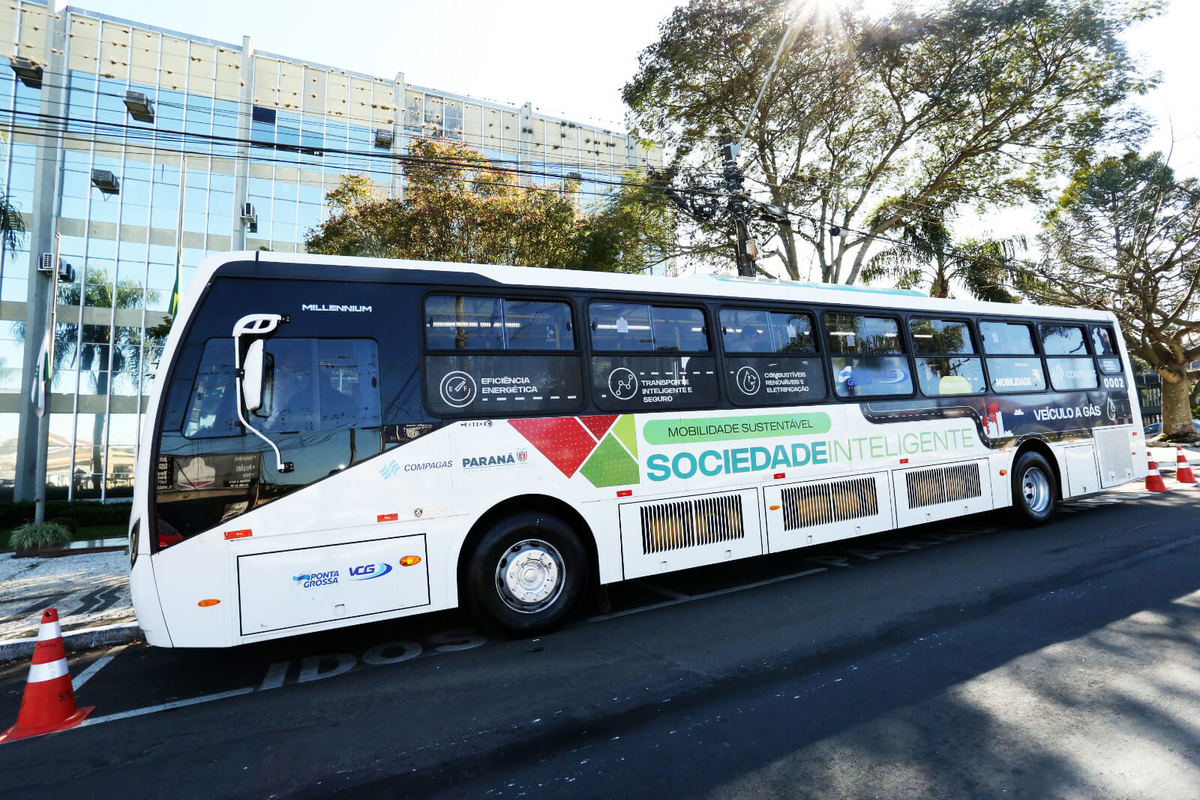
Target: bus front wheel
(1035, 490)
(527, 574)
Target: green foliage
(82, 513)
(928, 256)
(38, 536)
(12, 225)
(865, 122)
(1125, 237)
(67, 522)
(458, 207)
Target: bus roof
(700, 286)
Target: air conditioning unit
(28, 71)
(383, 138)
(141, 108)
(248, 211)
(46, 262)
(105, 181)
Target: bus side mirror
(252, 376)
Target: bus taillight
(165, 540)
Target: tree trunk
(1176, 407)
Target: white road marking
(138, 712)
(97, 665)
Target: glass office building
(144, 150)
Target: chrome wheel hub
(530, 576)
(1035, 486)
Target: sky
(571, 59)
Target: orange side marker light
(208, 603)
(775, 508)
(410, 561)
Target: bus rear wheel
(527, 574)
(1035, 490)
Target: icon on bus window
(623, 383)
(457, 389)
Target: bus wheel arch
(536, 530)
(1036, 482)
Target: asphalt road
(966, 659)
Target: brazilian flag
(174, 308)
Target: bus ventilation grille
(928, 487)
(1115, 459)
(691, 523)
(822, 503)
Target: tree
(458, 206)
(964, 101)
(926, 254)
(1125, 237)
(12, 225)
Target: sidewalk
(91, 593)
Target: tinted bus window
(624, 327)
(1102, 342)
(1106, 351)
(320, 385)
(1063, 340)
(934, 337)
(942, 366)
(496, 377)
(211, 409)
(464, 323)
(862, 351)
(686, 378)
(760, 369)
(1016, 374)
(753, 331)
(1072, 373)
(1006, 338)
(455, 322)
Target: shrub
(34, 536)
(67, 522)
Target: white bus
(334, 441)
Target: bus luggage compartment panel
(337, 582)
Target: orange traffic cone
(49, 701)
(1183, 470)
(1154, 480)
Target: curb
(75, 641)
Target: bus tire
(1035, 489)
(527, 574)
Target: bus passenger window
(669, 366)
(1006, 338)
(1106, 351)
(942, 366)
(746, 331)
(512, 367)
(463, 323)
(760, 366)
(621, 327)
(867, 356)
(1063, 340)
(537, 325)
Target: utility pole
(737, 206)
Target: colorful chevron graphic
(601, 448)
